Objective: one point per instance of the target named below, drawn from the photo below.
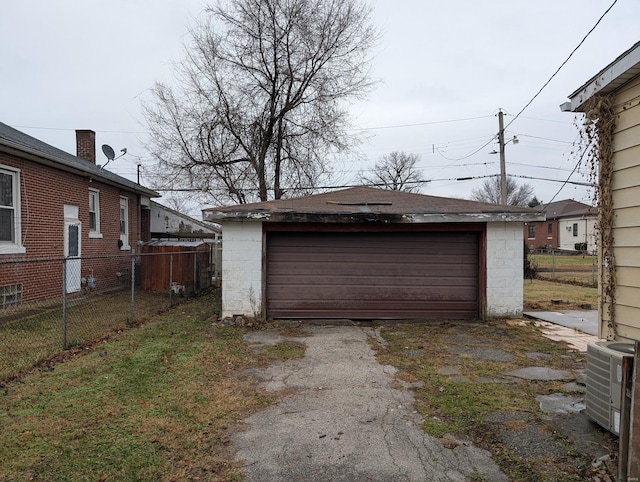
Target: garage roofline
(368, 204)
(357, 217)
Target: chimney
(86, 145)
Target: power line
(341, 186)
(471, 153)
(417, 124)
(73, 130)
(563, 63)
(567, 181)
(545, 138)
(584, 152)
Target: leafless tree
(489, 192)
(396, 171)
(261, 98)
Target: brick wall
(86, 145)
(542, 236)
(44, 191)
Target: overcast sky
(445, 68)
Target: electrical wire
(562, 64)
(471, 153)
(73, 130)
(571, 174)
(341, 186)
(417, 124)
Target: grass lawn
(580, 269)
(545, 295)
(151, 403)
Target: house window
(10, 233)
(575, 230)
(10, 295)
(124, 223)
(94, 213)
(532, 231)
(550, 228)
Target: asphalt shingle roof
(364, 200)
(16, 140)
(567, 208)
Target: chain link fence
(50, 305)
(572, 268)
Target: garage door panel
(418, 282)
(379, 310)
(356, 294)
(391, 270)
(372, 275)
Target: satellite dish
(108, 151)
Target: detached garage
(366, 253)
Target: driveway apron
(346, 420)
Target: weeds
(155, 402)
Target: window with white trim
(94, 213)
(10, 233)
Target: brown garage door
(372, 275)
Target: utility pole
(503, 169)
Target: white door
(124, 223)
(72, 254)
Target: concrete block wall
(242, 269)
(504, 270)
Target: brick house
(567, 223)
(55, 205)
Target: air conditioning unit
(604, 382)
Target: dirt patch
(463, 388)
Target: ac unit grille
(598, 400)
(604, 383)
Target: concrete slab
(583, 320)
(560, 403)
(541, 373)
(576, 339)
(345, 421)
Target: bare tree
(489, 192)
(396, 171)
(261, 97)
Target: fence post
(553, 262)
(132, 313)
(170, 280)
(195, 273)
(64, 304)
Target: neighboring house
(54, 205)
(567, 223)
(611, 102)
(367, 253)
(169, 223)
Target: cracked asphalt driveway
(346, 420)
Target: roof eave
(616, 74)
(388, 218)
(35, 155)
